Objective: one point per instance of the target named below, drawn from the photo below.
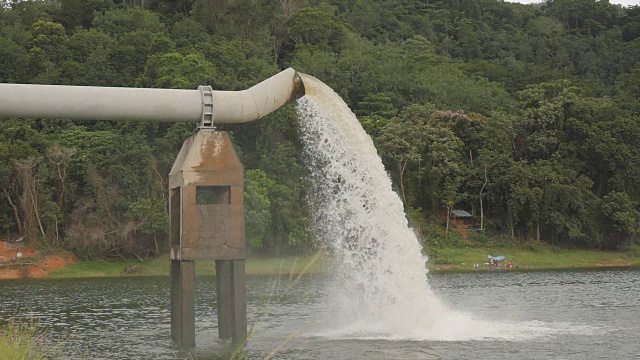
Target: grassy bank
(463, 259)
(448, 259)
(160, 266)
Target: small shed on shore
(461, 217)
(461, 222)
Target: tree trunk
(155, 242)
(57, 234)
(510, 215)
(16, 213)
(34, 200)
(482, 205)
(163, 191)
(446, 232)
(62, 174)
(28, 200)
(60, 157)
(538, 231)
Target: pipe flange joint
(206, 94)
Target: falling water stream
(381, 288)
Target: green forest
(526, 116)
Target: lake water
(548, 315)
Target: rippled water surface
(546, 315)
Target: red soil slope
(32, 264)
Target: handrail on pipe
(122, 104)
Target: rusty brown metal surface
(206, 217)
(208, 231)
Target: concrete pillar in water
(183, 316)
(224, 298)
(232, 302)
(239, 305)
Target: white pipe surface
(257, 101)
(98, 103)
(109, 103)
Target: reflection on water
(569, 315)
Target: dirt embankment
(32, 264)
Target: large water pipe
(111, 103)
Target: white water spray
(383, 286)
(381, 289)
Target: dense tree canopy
(525, 115)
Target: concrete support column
(183, 316)
(232, 300)
(224, 298)
(239, 308)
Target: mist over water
(381, 289)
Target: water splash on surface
(381, 290)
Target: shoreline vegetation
(21, 339)
(448, 260)
(463, 259)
